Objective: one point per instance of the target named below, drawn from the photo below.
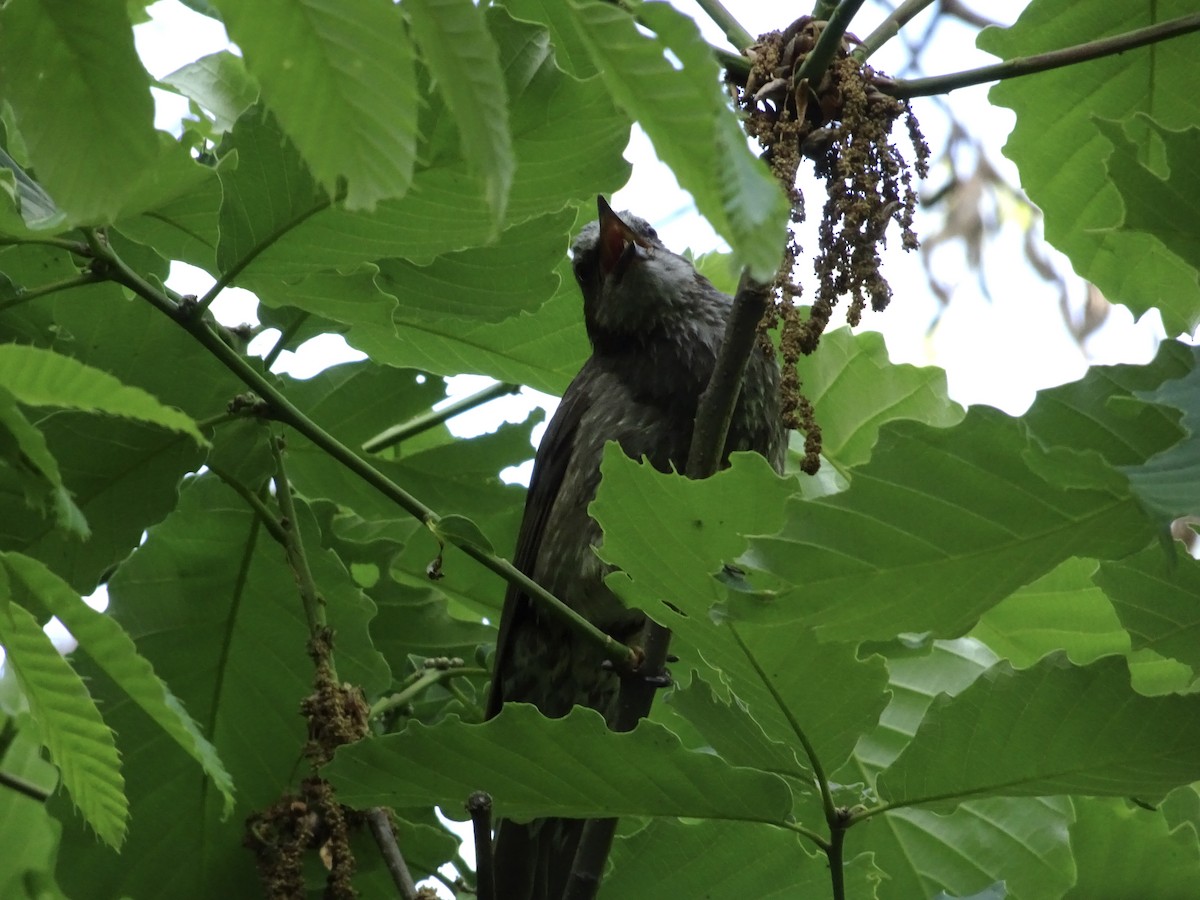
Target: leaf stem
(822, 54)
(724, 19)
(285, 411)
(284, 336)
(890, 27)
(402, 432)
(818, 839)
(818, 771)
(60, 243)
(1042, 62)
(425, 679)
(258, 249)
(24, 296)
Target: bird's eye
(584, 266)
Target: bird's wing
(550, 466)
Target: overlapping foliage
(973, 632)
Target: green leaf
(1022, 842)
(686, 115)
(515, 275)
(463, 59)
(1050, 729)
(731, 732)
(1123, 851)
(340, 79)
(81, 98)
(80, 744)
(1064, 108)
(691, 528)
(37, 210)
(855, 390)
(267, 193)
(184, 227)
(533, 766)
(950, 520)
(569, 47)
(220, 83)
(110, 648)
(124, 474)
(36, 469)
(1167, 482)
(708, 859)
(1062, 610)
(212, 605)
(27, 832)
(37, 377)
(1156, 594)
(1154, 204)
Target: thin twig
(724, 19)
(285, 335)
(479, 805)
(59, 243)
(380, 823)
(890, 27)
(266, 516)
(53, 288)
(402, 432)
(1042, 62)
(822, 54)
(314, 603)
(285, 411)
(21, 786)
(424, 680)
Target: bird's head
(631, 283)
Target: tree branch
(890, 27)
(822, 54)
(21, 786)
(314, 603)
(479, 805)
(380, 824)
(285, 411)
(724, 19)
(1041, 62)
(719, 399)
(398, 433)
(24, 296)
(266, 516)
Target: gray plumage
(655, 327)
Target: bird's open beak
(618, 242)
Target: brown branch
(479, 805)
(380, 823)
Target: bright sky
(997, 351)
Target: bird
(655, 326)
